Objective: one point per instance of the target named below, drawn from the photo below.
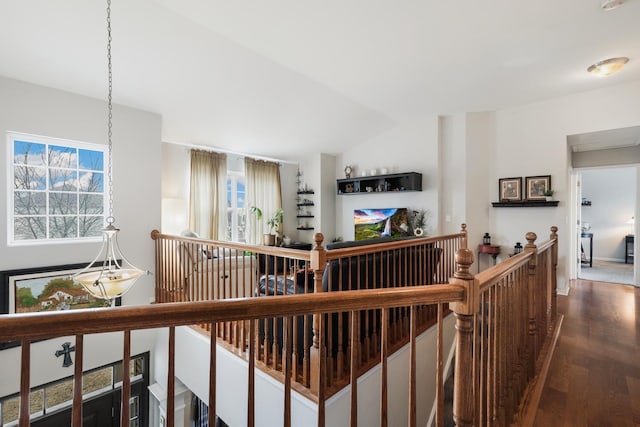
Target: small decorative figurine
(347, 171)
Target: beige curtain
(264, 191)
(208, 194)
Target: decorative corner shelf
(526, 204)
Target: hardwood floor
(594, 377)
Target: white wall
(192, 369)
(531, 140)
(136, 185)
(452, 183)
(327, 197)
(412, 146)
(136, 173)
(613, 196)
(175, 188)
(466, 142)
(289, 190)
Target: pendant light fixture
(114, 275)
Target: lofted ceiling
(286, 78)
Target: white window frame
(233, 225)
(39, 139)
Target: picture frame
(510, 189)
(536, 186)
(41, 289)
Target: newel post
(553, 284)
(532, 302)
(465, 372)
(317, 356)
(155, 236)
(465, 233)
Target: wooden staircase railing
(505, 330)
(189, 269)
(505, 318)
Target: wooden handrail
(504, 317)
(504, 334)
(91, 321)
(387, 246)
(267, 250)
(489, 277)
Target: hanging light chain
(110, 107)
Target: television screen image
(373, 223)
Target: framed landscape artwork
(510, 189)
(43, 289)
(537, 186)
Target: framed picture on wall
(39, 289)
(537, 186)
(510, 189)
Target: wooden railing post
(465, 368)
(554, 276)
(317, 354)
(465, 233)
(532, 297)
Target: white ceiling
(284, 78)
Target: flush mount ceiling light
(114, 275)
(608, 5)
(608, 66)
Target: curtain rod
(226, 151)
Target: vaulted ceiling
(285, 78)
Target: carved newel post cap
(155, 234)
(531, 238)
(464, 259)
(464, 227)
(554, 230)
(318, 238)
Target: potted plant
(419, 222)
(273, 223)
(548, 195)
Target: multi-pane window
(58, 189)
(236, 208)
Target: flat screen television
(373, 223)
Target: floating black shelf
(304, 216)
(306, 192)
(305, 228)
(526, 204)
(396, 182)
(305, 204)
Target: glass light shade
(608, 5)
(112, 277)
(608, 66)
